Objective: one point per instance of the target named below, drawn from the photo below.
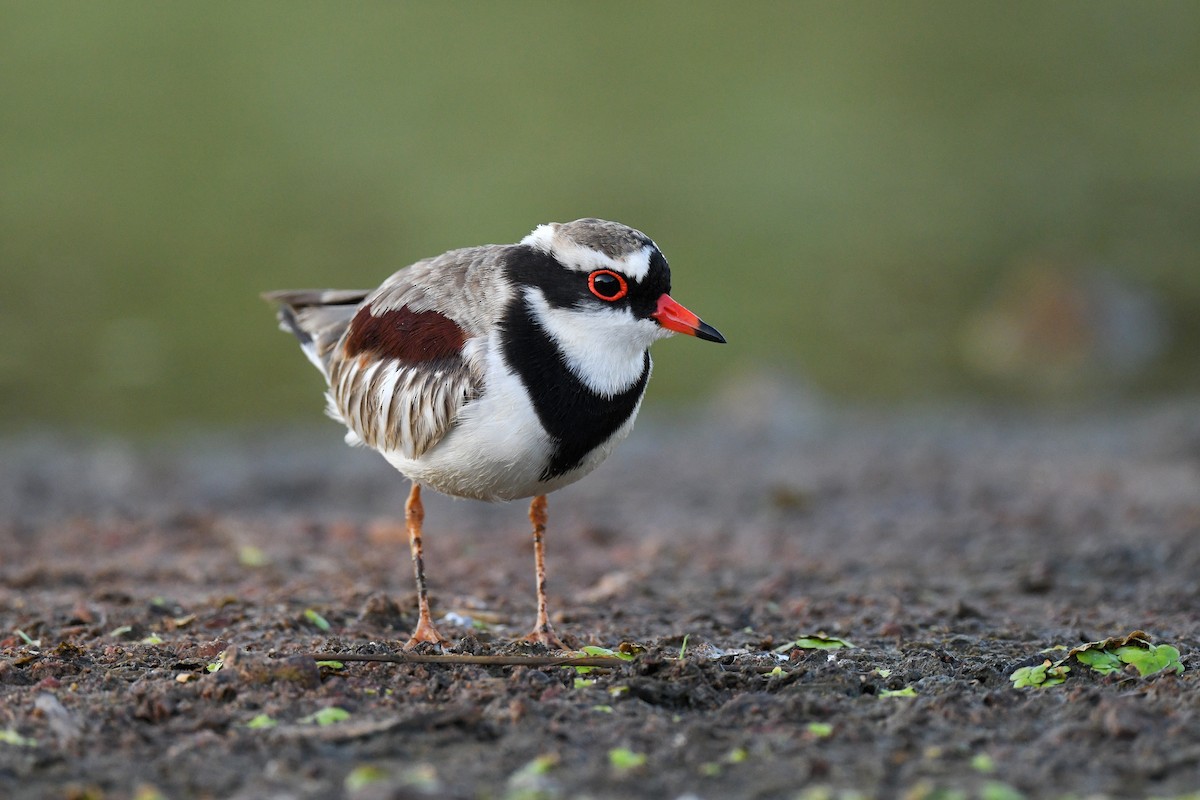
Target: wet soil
(950, 548)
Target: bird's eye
(607, 285)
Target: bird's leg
(542, 632)
(414, 515)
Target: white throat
(605, 348)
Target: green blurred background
(889, 201)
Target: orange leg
(542, 632)
(414, 515)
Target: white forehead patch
(573, 255)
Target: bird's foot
(425, 632)
(544, 635)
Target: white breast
(496, 450)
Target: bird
(497, 372)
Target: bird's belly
(497, 450)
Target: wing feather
(402, 361)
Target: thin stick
(466, 658)
(510, 661)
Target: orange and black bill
(675, 317)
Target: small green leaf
(216, 665)
(11, 737)
(995, 790)
(26, 638)
(363, 776)
(316, 619)
(737, 755)
(261, 721)
(327, 716)
(1152, 659)
(1039, 676)
(252, 556)
(819, 730)
(622, 758)
(331, 664)
(683, 647)
(120, 631)
(617, 691)
(883, 672)
(982, 762)
(775, 673)
(817, 641)
(537, 767)
(604, 652)
(603, 709)
(907, 691)
(583, 683)
(592, 650)
(1101, 661)
(153, 638)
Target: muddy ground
(949, 547)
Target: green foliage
(1152, 659)
(819, 730)
(623, 759)
(532, 781)
(26, 638)
(316, 619)
(1040, 676)
(363, 776)
(326, 716)
(907, 691)
(983, 763)
(817, 641)
(261, 722)
(252, 556)
(995, 790)
(592, 650)
(737, 755)
(1107, 657)
(1101, 661)
(11, 737)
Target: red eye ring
(622, 285)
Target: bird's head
(593, 277)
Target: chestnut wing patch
(409, 336)
(401, 380)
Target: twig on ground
(467, 658)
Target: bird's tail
(317, 317)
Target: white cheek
(605, 348)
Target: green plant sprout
(326, 716)
(1106, 657)
(817, 641)
(316, 619)
(624, 759)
